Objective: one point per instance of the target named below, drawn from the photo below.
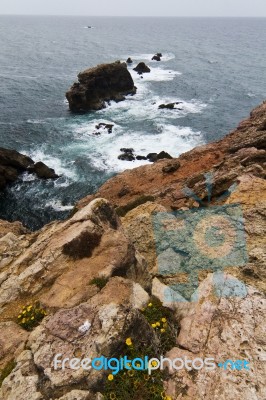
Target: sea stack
(98, 85)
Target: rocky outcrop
(157, 57)
(12, 163)
(99, 85)
(142, 68)
(128, 154)
(129, 60)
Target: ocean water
(215, 66)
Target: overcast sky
(243, 8)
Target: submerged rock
(98, 85)
(170, 106)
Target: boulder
(98, 85)
(157, 57)
(142, 68)
(129, 60)
(153, 157)
(44, 172)
(13, 163)
(127, 154)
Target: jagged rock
(127, 154)
(12, 163)
(142, 68)
(157, 57)
(170, 106)
(99, 85)
(153, 157)
(129, 60)
(44, 172)
(92, 242)
(109, 127)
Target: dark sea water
(216, 67)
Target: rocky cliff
(98, 278)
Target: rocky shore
(96, 273)
(12, 164)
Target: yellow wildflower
(32, 318)
(23, 321)
(129, 342)
(158, 324)
(110, 377)
(162, 330)
(153, 325)
(154, 363)
(150, 305)
(164, 319)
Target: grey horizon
(119, 8)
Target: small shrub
(99, 282)
(162, 321)
(134, 384)
(7, 370)
(30, 316)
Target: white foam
(58, 206)
(104, 153)
(52, 162)
(156, 75)
(26, 177)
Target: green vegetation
(138, 384)
(99, 282)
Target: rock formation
(142, 68)
(99, 85)
(157, 57)
(59, 266)
(13, 163)
(170, 106)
